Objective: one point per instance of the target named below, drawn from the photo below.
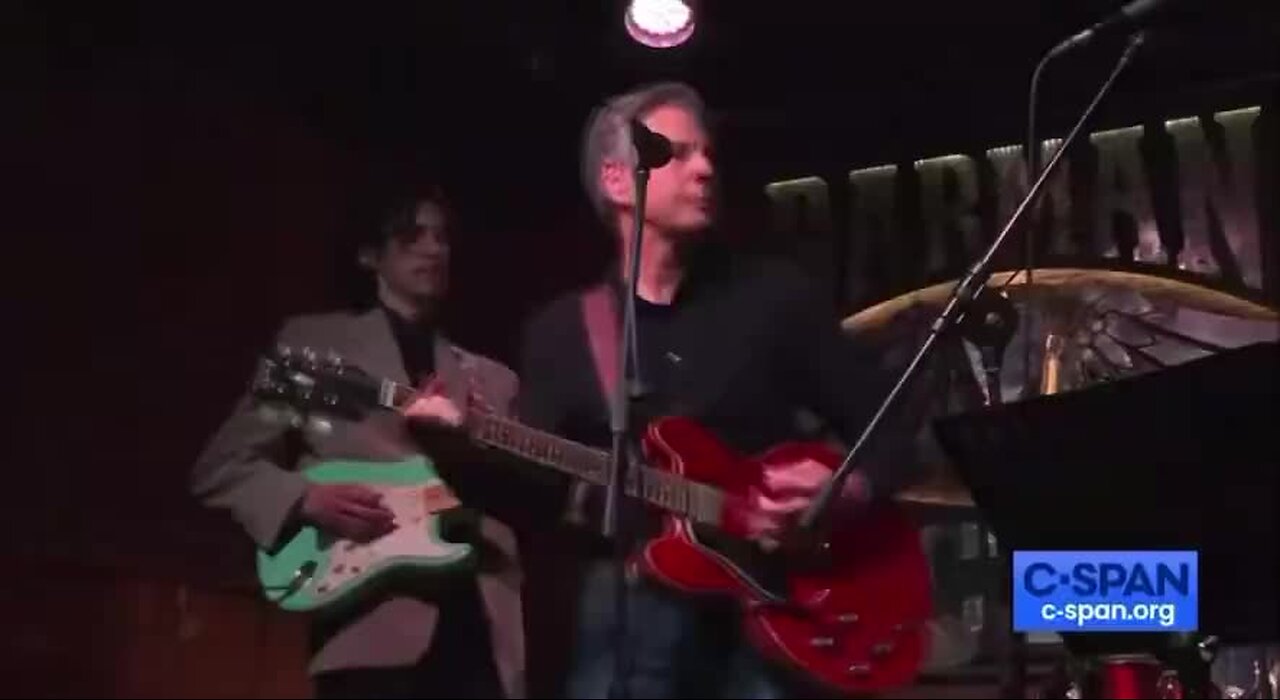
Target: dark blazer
(245, 471)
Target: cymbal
(937, 492)
(1151, 286)
(1114, 323)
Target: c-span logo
(1058, 591)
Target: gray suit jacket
(244, 471)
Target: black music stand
(1179, 458)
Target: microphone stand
(969, 288)
(630, 389)
(990, 323)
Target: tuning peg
(319, 426)
(285, 356)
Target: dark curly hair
(398, 218)
(374, 222)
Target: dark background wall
(183, 176)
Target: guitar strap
(600, 316)
(600, 319)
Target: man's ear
(618, 184)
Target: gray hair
(607, 135)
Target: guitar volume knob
(823, 642)
(847, 618)
(860, 669)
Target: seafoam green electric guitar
(312, 571)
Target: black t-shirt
(658, 360)
(416, 341)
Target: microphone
(652, 150)
(1127, 19)
(990, 323)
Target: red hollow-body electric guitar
(849, 613)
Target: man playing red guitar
(740, 346)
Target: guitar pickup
(438, 498)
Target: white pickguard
(412, 506)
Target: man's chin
(427, 298)
(427, 287)
(692, 226)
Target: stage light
(660, 24)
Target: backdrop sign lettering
(1188, 197)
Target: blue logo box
(1103, 591)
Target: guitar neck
(700, 502)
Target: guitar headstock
(307, 381)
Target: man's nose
(701, 165)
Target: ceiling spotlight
(659, 23)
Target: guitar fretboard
(700, 502)
(664, 489)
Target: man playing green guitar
(334, 503)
